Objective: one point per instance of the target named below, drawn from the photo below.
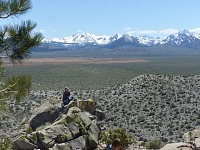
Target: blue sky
(63, 18)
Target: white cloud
(132, 32)
(168, 31)
(127, 28)
(161, 33)
(195, 30)
(79, 31)
(143, 32)
(148, 32)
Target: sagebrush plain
(100, 71)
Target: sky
(62, 18)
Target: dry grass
(81, 60)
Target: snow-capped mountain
(183, 38)
(180, 38)
(91, 39)
(85, 38)
(125, 40)
(149, 41)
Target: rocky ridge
(149, 106)
(153, 106)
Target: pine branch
(10, 8)
(6, 90)
(18, 40)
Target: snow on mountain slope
(181, 38)
(149, 41)
(197, 35)
(85, 38)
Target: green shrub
(29, 130)
(121, 133)
(155, 144)
(5, 144)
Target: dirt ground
(81, 60)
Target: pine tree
(16, 42)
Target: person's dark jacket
(66, 95)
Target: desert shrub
(5, 144)
(90, 101)
(120, 133)
(29, 130)
(155, 144)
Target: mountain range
(182, 39)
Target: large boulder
(62, 146)
(193, 136)
(52, 134)
(79, 143)
(39, 119)
(177, 146)
(94, 133)
(22, 143)
(85, 105)
(73, 129)
(191, 142)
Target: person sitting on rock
(66, 96)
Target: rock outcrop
(70, 128)
(191, 142)
(177, 146)
(193, 136)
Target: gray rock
(94, 133)
(43, 141)
(79, 143)
(74, 130)
(177, 146)
(49, 115)
(193, 136)
(60, 133)
(85, 118)
(62, 146)
(85, 105)
(23, 144)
